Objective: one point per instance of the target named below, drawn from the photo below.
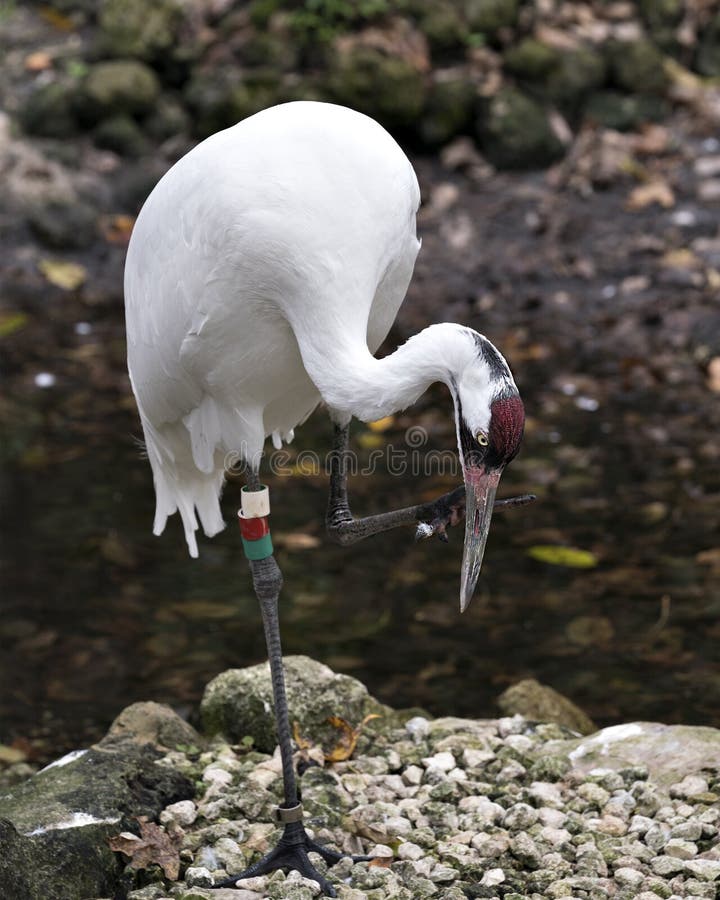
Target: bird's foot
(291, 852)
(436, 517)
(442, 513)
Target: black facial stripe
(496, 364)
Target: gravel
(453, 809)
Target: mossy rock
(577, 74)
(50, 111)
(385, 87)
(531, 59)
(117, 87)
(661, 14)
(515, 132)
(54, 827)
(489, 16)
(445, 29)
(134, 28)
(638, 67)
(238, 703)
(218, 101)
(708, 58)
(122, 135)
(541, 703)
(625, 112)
(64, 225)
(169, 118)
(449, 111)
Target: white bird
(263, 273)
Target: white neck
(353, 383)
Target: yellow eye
(482, 439)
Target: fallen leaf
(370, 441)
(644, 195)
(117, 229)
(713, 374)
(381, 862)
(10, 322)
(38, 61)
(682, 258)
(380, 425)
(57, 19)
(154, 847)
(296, 540)
(556, 555)
(345, 747)
(66, 275)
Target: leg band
(259, 549)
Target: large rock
(121, 86)
(541, 703)
(54, 827)
(49, 111)
(238, 703)
(381, 85)
(638, 67)
(449, 110)
(669, 752)
(489, 16)
(515, 132)
(142, 30)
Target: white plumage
(263, 272)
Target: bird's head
(490, 419)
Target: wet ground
(604, 299)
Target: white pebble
(45, 380)
(493, 877)
(444, 761)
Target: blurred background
(569, 159)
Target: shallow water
(97, 613)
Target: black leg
(429, 518)
(292, 849)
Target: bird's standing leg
(292, 849)
(430, 518)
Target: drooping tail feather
(181, 486)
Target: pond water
(97, 613)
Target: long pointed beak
(480, 488)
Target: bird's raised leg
(429, 518)
(291, 851)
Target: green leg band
(259, 549)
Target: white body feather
(264, 270)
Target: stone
(668, 751)
(449, 110)
(531, 59)
(132, 28)
(116, 87)
(515, 132)
(49, 111)
(624, 112)
(156, 724)
(54, 827)
(64, 225)
(489, 16)
(577, 74)
(238, 702)
(383, 86)
(120, 134)
(637, 67)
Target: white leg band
(255, 504)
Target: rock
(54, 827)
(132, 28)
(708, 57)
(49, 111)
(515, 132)
(541, 703)
(153, 723)
(120, 134)
(444, 27)
(385, 87)
(64, 226)
(219, 99)
(624, 112)
(577, 74)
(238, 702)
(637, 67)
(531, 60)
(115, 88)
(668, 751)
(489, 16)
(449, 111)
